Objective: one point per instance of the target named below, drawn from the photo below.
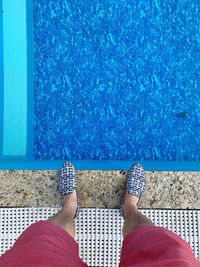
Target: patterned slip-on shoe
(135, 183)
(67, 182)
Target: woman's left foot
(67, 179)
(67, 187)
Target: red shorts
(46, 244)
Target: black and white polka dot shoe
(67, 182)
(135, 183)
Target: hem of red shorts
(135, 234)
(68, 238)
(56, 230)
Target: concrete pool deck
(175, 190)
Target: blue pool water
(99, 83)
(116, 80)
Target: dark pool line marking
(182, 115)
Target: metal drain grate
(99, 230)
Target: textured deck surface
(98, 231)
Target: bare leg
(133, 218)
(64, 218)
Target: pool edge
(99, 165)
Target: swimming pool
(100, 83)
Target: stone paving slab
(176, 190)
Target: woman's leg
(64, 218)
(51, 242)
(133, 218)
(144, 243)
(67, 187)
(135, 186)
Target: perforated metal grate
(99, 230)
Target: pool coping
(23, 164)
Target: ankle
(130, 210)
(70, 204)
(130, 204)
